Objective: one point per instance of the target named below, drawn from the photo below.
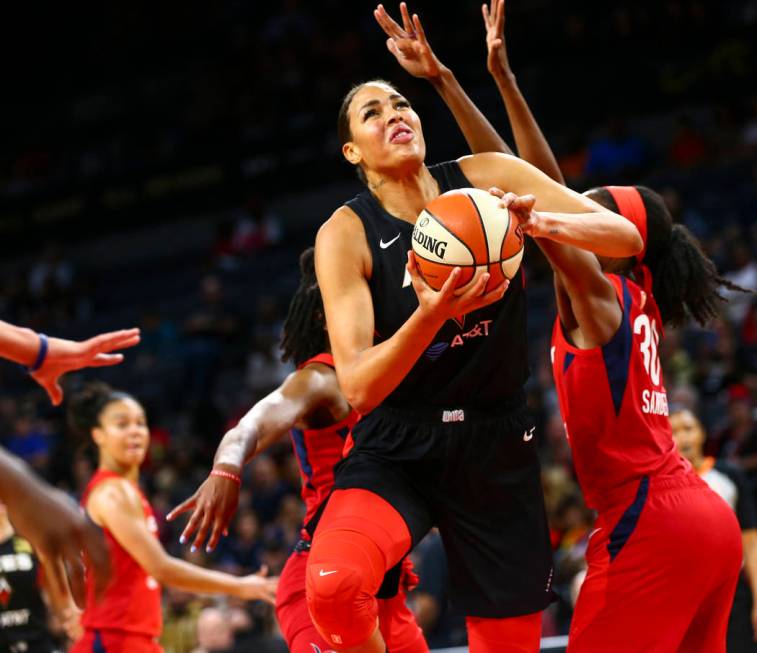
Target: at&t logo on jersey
(479, 330)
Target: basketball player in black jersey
(445, 438)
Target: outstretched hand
(258, 587)
(494, 22)
(213, 505)
(408, 43)
(68, 355)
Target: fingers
(202, 531)
(51, 387)
(263, 571)
(191, 526)
(449, 288)
(485, 12)
(56, 569)
(219, 528)
(406, 22)
(419, 31)
(107, 342)
(499, 15)
(181, 508)
(388, 24)
(497, 192)
(106, 360)
(97, 557)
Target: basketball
(466, 228)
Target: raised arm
(565, 216)
(529, 139)
(215, 501)
(409, 45)
(367, 372)
(116, 506)
(566, 226)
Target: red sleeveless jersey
(613, 402)
(131, 602)
(318, 450)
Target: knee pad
(345, 569)
(342, 610)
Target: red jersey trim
(559, 326)
(325, 359)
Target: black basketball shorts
(475, 475)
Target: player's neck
(129, 472)
(404, 196)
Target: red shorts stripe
(115, 641)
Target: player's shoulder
(114, 493)
(315, 379)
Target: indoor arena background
(163, 164)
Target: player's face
(386, 132)
(688, 434)
(123, 434)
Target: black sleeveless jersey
(476, 360)
(23, 615)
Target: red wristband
(230, 475)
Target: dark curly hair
(304, 328)
(685, 281)
(86, 406)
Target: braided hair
(305, 325)
(685, 280)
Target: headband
(631, 206)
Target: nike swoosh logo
(528, 435)
(384, 245)
(327, 573)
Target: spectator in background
(214, 632)
(730, 483)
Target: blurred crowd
(259, 94)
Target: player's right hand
(497, 61)
(408, 43)
(448, 302)
(258, 587)
(213, 505)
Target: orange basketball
(465, 228)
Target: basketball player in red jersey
(413, 465)
(657, 521)
(311, 407)
(61, 538)
(127, 619)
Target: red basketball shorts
(115, 641)
(662, 571)
(396, 621)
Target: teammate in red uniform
(311, 407)
(657, 520)
(127, 619)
